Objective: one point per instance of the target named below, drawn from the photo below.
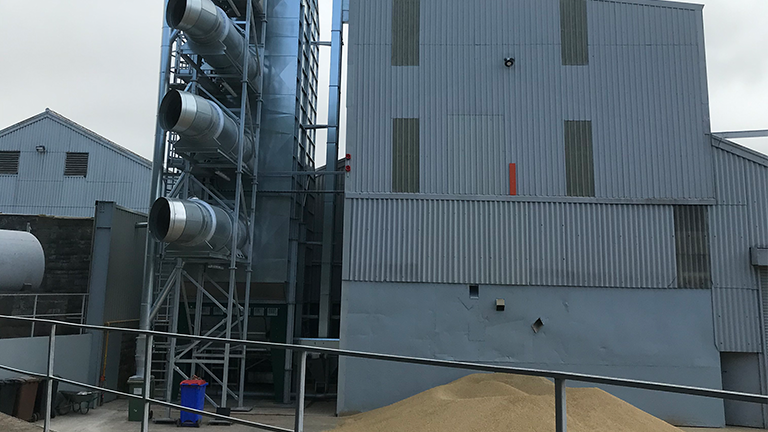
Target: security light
(509, 62)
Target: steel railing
(49, 313)
(560, 378)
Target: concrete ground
(113, 417)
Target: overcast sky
(96, 62)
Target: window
(9, 162)
(405, 155)
(692, 247)
(574, 39)
(76, 165)
(405, 32)
(579, 165)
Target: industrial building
(535, 183)
(530, 183)
(51, 165)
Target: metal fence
(560, 378)
(69, 307)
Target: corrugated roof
(53, 115)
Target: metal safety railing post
(49, 383)
(560, 378)
(147, 382)
(300, 392)
(34, 314)
(561, 420)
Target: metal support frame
(331, 156)
(560, 378)
(163, 301)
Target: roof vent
(9, 162)
(76, 165)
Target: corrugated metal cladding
(737, 319)
(509, 243)
(41, 187)
(764, 297)
(739, 221)
(644, 91)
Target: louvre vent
(9, 162)
(76, 165)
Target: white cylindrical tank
(22, 261)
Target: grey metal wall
(509, 242)
(114, 174)
(658, 335)
(115, 285)
(738, 222)
(71, 360)
(644, 90)
(290, 100)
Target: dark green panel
(692, 247)
(405, 155)
(405, 32)
(579, 164)
(574, 38)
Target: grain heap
(509, 403)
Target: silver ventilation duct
(194, 224)
(22, 261)
(201, 125)
(212, 35)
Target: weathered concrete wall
(67, 246)
(31, 354)
(657, 335)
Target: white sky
(97, 63)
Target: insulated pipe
(213, 36)
(200, 122)
(22, 261)
(191, 223)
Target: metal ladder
(162, 323)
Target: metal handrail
(560, 378)
(80, 316)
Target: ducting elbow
(22, 261)
(212, 35)
(201, 124)
(194, 224)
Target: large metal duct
(212, 35)
(22, 261)
(195, 224)
(201, 123)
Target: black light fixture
(40, 149)
(509, 62)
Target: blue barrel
(192, 396)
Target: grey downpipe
(194, 223)
(200, 121)
(331, 157)
(212, 35)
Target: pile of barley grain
(502, 402)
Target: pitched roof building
(52, 165)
